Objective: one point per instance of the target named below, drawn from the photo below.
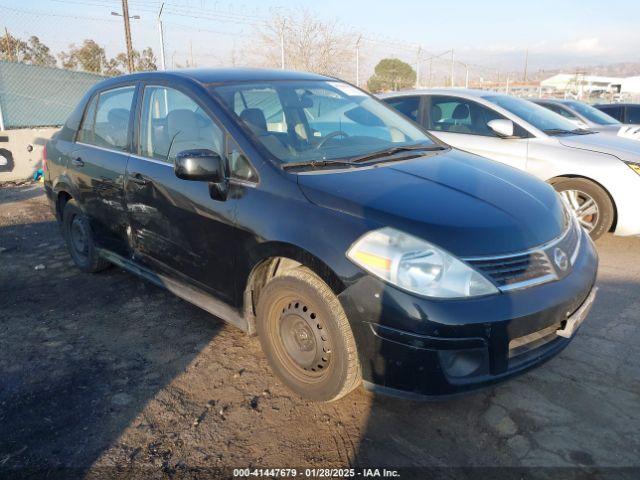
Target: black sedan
(623, 112)
(298, 207)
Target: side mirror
(199, 164)
(502, 127)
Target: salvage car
(598, 175)
(586, 116)
(298, 207)
(623, 112)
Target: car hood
(464, 203)
(623, 148)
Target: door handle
(78, 162)
(138, 179)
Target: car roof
(219, 75)
(462, 92)
(559, 101)
(617, 105)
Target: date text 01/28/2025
(315, 473)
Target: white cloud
(588, 46)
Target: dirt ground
(107, 375)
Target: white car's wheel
(590, 203)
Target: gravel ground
(106, 375)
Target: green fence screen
(34, 96)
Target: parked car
(598, 175)
(586, 116)
(623, 112)
(300, 208)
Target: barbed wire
(182, 49)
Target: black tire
(603, 219)
(79, 237)
(306, 336)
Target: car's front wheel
(306, 336)
(79, 237)
(590, 203)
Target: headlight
(417, 266)
(635, 167)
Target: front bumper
(624, 191)
(418, 347)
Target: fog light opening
(461, 363)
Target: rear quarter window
(633, 114)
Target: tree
(142, 62)
(39, 54)
(12, 49)
(391, 74)
(32, 51)
(310, 44)
(145, 61)
(89, 57)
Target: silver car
(598, 175)
(586, 116)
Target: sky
(489, 33)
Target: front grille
(515, 269)
(533, 267)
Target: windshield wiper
(557, 131)
(561, 131)
(393, 150)
(315, 164)
(583, 131)
(363, 158)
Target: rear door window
(110, 126)
(633, 114)
(613, 110)
(85, 134)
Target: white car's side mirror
(502, 126)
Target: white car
(598, 175)
(585, 116)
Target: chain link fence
(51, 54)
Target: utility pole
(358, 60)
(127, 32)
(162, 60)
(418, 67)
(430, 70)
(453, 65)
(466, 76)
(526, 62)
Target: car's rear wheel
(306, 336)
(79, 237)
(590, 203)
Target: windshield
(538, 116)
(300, 121)
(592, 114)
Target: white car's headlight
(417, 266)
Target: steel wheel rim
(584, 208)
(302, 342)
(79, 236)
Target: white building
(580, 83)
(631, 85)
